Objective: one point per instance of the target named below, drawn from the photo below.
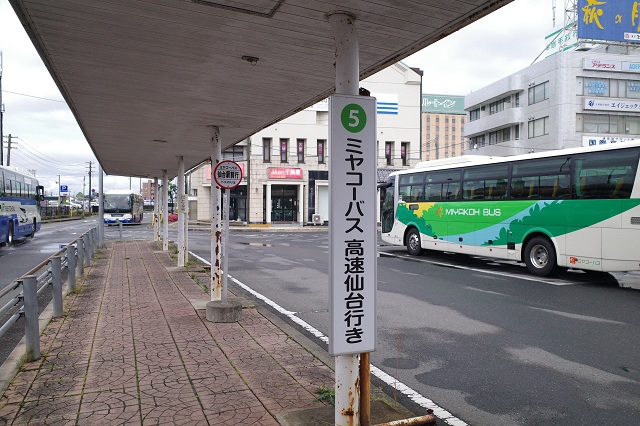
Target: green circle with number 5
(353, 118)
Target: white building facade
(286, 165)
(570, 99)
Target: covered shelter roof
(145, 78)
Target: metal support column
(216, 218)
(100, 207)
(182, 217)
(156, 205)
(347, 377)
(267, 200)
(165, 211)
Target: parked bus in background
(122, 206)
(20, 197)
(572, 208)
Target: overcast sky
(50, 142)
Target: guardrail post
(81, 256)
(56, 274)
(71, 265)
(96, 240)
(87, 250)
(31, 327)
(120, 229)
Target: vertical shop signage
(352, 183)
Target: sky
(50, 142)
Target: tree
(80, 195)
(173, 192)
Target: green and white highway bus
(20, 195)
(123, 206)
(571, 208)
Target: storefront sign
(352, 218)
(443, 104)
(608, 20)
(284, 173)
(606, 65)
(611, 105)
(604, 140)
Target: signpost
(227, 175)
(352, 129)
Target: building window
(596, 86)
(266, 150)
(474, 114)
(539, 93)
(388, 153)
(476, 142)
(234, 153)
(499, 136)
(497, 106)
(539, 127)
(301, 144)
(453, 121)
(284, 148)
(596, 123)
(404, 153)
(321, 146)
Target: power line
(36, 97)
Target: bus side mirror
(39, 193)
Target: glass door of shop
(284, 203)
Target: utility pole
(1, 117)
(90, 170)
(9, 149)
(84, 181)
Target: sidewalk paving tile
(131, 349)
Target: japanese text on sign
(227, 174)
(353, 224)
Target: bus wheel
(414, 247)
(10, 235)
(540, 256)
(33, 229)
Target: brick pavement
(131, 349)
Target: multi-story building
(286, 165)
(148, 190)
(443, 118)
(570, 99)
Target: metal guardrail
(71, 259)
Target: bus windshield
(117, 203)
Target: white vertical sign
(352, 225)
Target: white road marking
(390, 380)
(484, 271)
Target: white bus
(122, 206)
(573, 208)
(20, 197)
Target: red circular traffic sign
(227, 174)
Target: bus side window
(517, 189)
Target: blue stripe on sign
(387, 108)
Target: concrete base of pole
(217, 311)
